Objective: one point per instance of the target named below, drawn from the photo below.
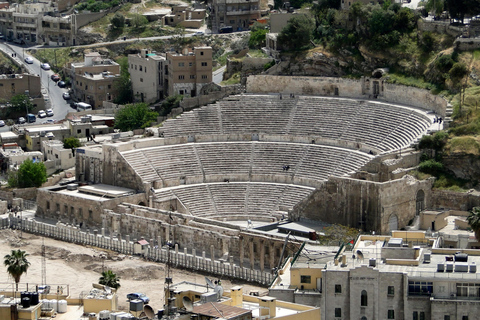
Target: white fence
(191, 261)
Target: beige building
(189, 71)
(13, 84)
(185, 16)
(238, 14)
(55, 153)
(147, 73)
(93, 80)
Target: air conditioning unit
(208, 297)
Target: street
(51, 91)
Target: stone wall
(439, 27)
(466, 44)
(365, 204)
(190, 258)
(444, 199)
(349, 88)
(83, 19)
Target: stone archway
(420, 202)
(141, 203)
(393, 222)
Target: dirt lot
(80, 266)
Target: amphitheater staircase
(141, 166)
(220, 120)
(210, 194)
(300, 162)
(293, 112)
(199, 161)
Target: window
(364, 298)
(465, 318)
(446, 317)
(79, 131)
(391, 314)
(204, 64)
(232, 21)
(90, 214)
(109, 86)
(204, 76)
(338, 312)
(65, 209)
(190, 64)
(305, 279)
(468, 289)
(415, 315)
(58, 207)
(140, 68)
(141, 79)
(338, 288)
(420, 288)
(422, 315)
(181, 77)
(192, 76)
(201, 53)
(145, 69)
(48, 205)
(391, 290)
(181, 64)
(135, 67)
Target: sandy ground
(80, 266)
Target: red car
(55, 77)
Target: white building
(147, 72)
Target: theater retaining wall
(365, 204)
(364, 88)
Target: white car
(29, 60)
(42, 114)
(199, 33)
(49, 112)
(2, 123)
(45, 66)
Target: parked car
(21, 120)
(55, 77)
(29, 60)
(199, 33)
(141, 296)
(2, 123)
(45, 66)
(19, 41)
(61, 84)
(2, 37)
(66, 95)
(42, 114)
(49, 112)
(49, 121)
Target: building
(93, 81)
(13, 84)
(185, 16)
(238, 14)
(147, 73)
(189, 71)
(56, 156)
(39, 23)
(12, 156)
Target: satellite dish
(360, 254)
(209, 283)
(219, 291)
(148, 311)
(188, 304)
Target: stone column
(262, 255)
(252, 257)
(272, 255)
(242, 251)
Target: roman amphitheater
(221, 178)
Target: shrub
(431, 167)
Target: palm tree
(16, 264)
(109, 278)
(473, 220)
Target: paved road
(52, 92)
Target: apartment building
(147, 73)
(93, 81)
(238, 14)
(185, 16)
(38, 23)
(189, 71)
(13, 84)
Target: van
(228, 29)
(82, 106)
(31, 118)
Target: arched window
(364, 318)
(364, 299)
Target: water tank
(26, 302)
(34, 298)
(104, 315)
(53, 305)
(24, 294)
(62, 306)
(45, 304)
(136, 305)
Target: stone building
(185, 16)
(13, 84)
(238, 14)
(93, 81)
(147, 72)
(189, 71)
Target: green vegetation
(110, 279)
(134, 116)
(298, 32)
(257, 36)
(17, 264)
(124, 85)
(21, 103)
(168, 104)
(96, 6)
(71, 143)
(234, 79)
(118, 21)
(29, 174)
(338, 234)
(473, 220)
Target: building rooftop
(98, 192)
(219, 310)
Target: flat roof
(8, 134)
(46, 128)
(219, 310)
(106, 190)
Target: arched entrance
(420, 202)
(393, 222)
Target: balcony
(242, 12)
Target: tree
(134, 116)
(459, 8)
(109, 278)
(118, 21)
(21, 102)
(123, 86)
(29, 174)
(17, 264)
(139, 21)
(473, 220)
(297, 33)
(168, 104)
(71, 143)
(435, 6)
(458, 72)
(257, 36)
